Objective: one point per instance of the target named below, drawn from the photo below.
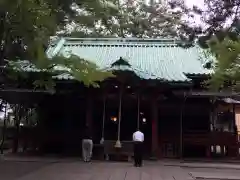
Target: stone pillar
(154, 117)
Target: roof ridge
(54, 50)
(126, 40)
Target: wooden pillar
(17, 128)
(235, 132)
(4, 127)
(208, 151)
(233, 148)
(41, 131)
(138, 110)
(89, 112)
(154, 116)
(213, 118)
(211, 127)
(181, 143)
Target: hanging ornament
(103, 120)
(118, 142)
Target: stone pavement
(211, 165)
(77, 170)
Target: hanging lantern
(144, 120)
(114, 119)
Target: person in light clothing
(138, 139)
(87, 145)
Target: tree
(24, 29)
(227, 65)
(221, 14)
(215, 16)
(221, 39)
(72, 67)
(134, 19)
(26, 26)
(219, 36)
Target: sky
(199, 3)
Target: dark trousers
(138, 153)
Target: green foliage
(25, 27)
(73, 67)
(82, 70)
(227, 65)
(25, 30)
(45, 83)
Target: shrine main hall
(157, 88)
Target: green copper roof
(161, 59)
(149, 58)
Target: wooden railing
(216, 143)
(224, 144)
(169, 145)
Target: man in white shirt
(138, 139)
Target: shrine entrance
(134, 115)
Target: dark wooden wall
(63, 120)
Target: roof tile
(162, 58)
